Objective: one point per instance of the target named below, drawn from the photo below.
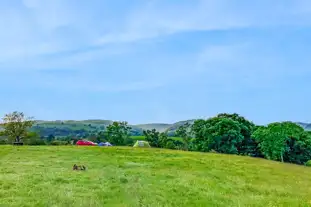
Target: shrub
(35, 142)
(59, 142)
(129, 142)
(308, 163)
(170, 145)
(3, 142)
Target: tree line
(224, 133)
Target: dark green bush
(3, 142)
(129, 142)
(308, 163)
(170, 145)
(59, 142)
(35, 142)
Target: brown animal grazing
(76, 167)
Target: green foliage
(184, 132)
(50, 138)
(225, 136)
(16, 125)
(3, 141)
(118, 132)
(36, 142)
(129, 141)
(226, 133)
(153, 137)
(248, 146)
(33, 138)
(170, 145)
(279, 139)
(308, 163)
(59, 142)
(163, 138)
(298, 148)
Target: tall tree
(153, 137)
(118, 132)
(184, 132)
(16, 125)
(273, 139)
(163, 139)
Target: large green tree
(274, 138)
(228, 133)
(118, 133)
(16, 125)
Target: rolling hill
(87, 127)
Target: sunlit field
(120, 176)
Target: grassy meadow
(121, 176)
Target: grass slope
(42, 176)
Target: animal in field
(78, 167)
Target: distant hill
(306, 126)
(88, 127)
(158, 126)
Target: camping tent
(141, 144)
(107, 144)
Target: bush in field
(170, 145)
(3, 141)
(59, 142)
(33, 138)
(308, 163)
(129, 141)
(36, 142)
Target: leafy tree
(153, 137)
(248, 146)
(118, 132)
(163, 139)
(224, 136)
(274, 138)
(229, 133)
(221, 134)
(198, 128)
(184, 133)
(298, 149)
(102, 136)
(16, 125)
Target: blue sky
(156, 60)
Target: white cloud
(42, 26)
(159, 19)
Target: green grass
(43, 176)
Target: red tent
(85, 142)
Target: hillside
(158, 126)
(87, 127)
(306, 126)
(43, 176)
